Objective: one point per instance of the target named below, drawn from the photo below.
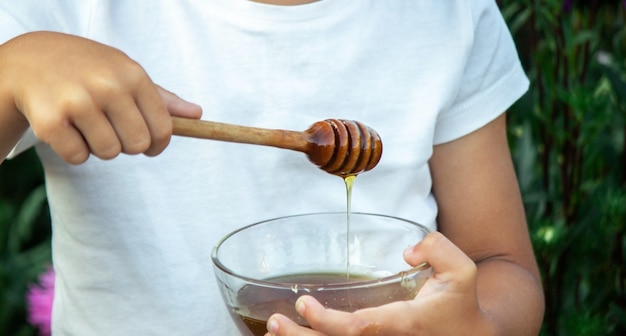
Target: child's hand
(83, 97)
(446, 305)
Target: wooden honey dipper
(339, 147)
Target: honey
(255, 308)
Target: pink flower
(39, 302)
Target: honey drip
(349, 181)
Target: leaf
(516, 15)
(520, 20)
(526, 155)
(617, 82)
(22, 226)
(7, 213)
(30, 210)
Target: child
(85, 81)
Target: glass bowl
(346, 263)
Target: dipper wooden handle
(340, 147)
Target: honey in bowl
(254, 309)
(263, 268)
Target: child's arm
(82, 97)
(481, 212)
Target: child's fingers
(156, 107)
(446, 259)
(178, 106)
(389, 319)
(279, 325)
(129, 125)
(69, 144)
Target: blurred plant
(24, 239)
(568, 136)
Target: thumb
(177, 106)
(449, 262)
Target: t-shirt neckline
(285, 14)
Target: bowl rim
(399, 276)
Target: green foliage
(567, 137)
(24, 239)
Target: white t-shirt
(132, 236)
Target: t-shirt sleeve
(28, 140)
(493, 78)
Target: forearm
(12, 123)
(510, 296)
